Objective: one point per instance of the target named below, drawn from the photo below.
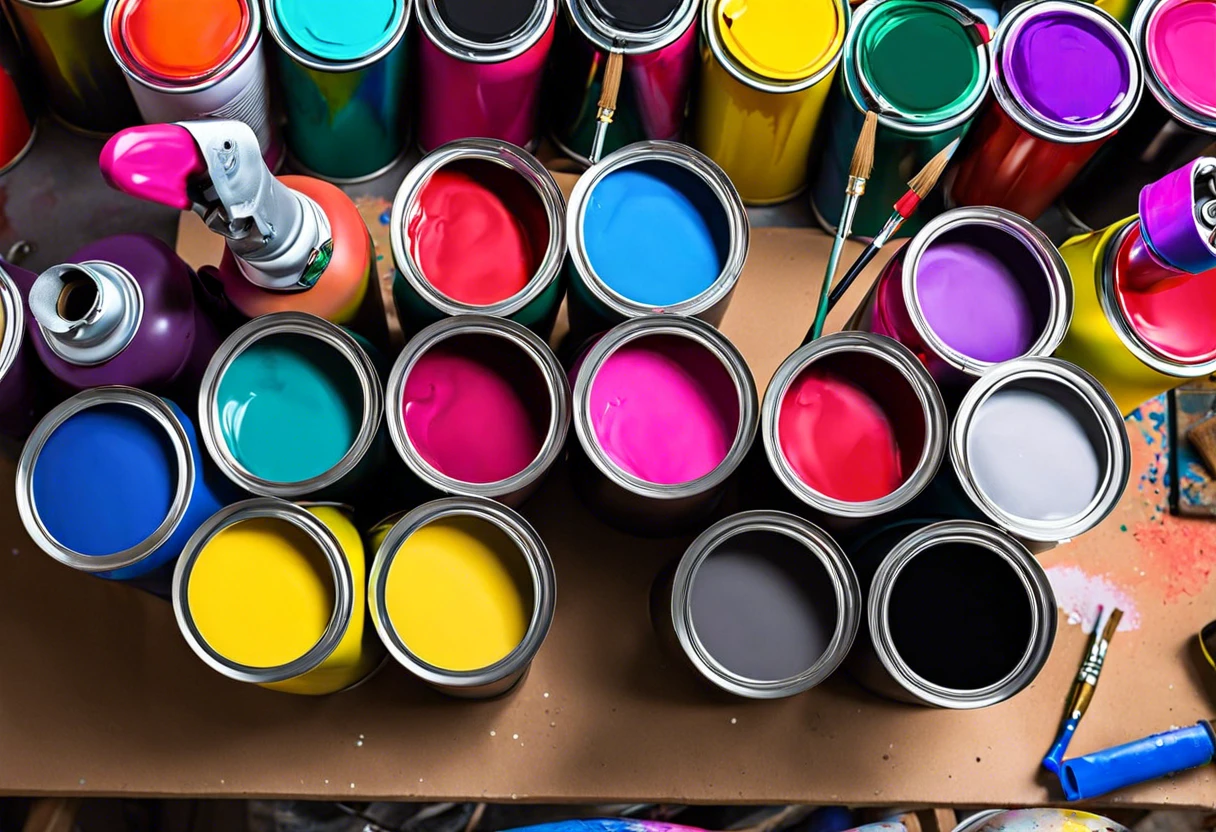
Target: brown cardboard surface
(99, 694)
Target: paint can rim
(432, 26)
(604, 36)
(128, 294)
(12, 313)
(1176, 107)
(301, 56)
(29, 144)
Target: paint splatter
(1180, 554)
(386, 217)
(1079, 594)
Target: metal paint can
(958, 614)
(508, 198)
(659, 44)
(665, 411)
(18, 118)
(760, 101)
(478, 407)
(186, 60)
(974, 287)
(763, 605)
(23, 380)
(84, 87)
(112, 482)
(678, 248)
(1066, 78)
(345, 94)
(291, 406)
(500, 573)
(925, 105)
(480, 69)
(1120, 10)
(1038, 820)
(271, 593)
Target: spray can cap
(1178, 217)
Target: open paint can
(665, 411)
(478, 227)
(478, 406)
(763, 605)
(23, 380)
(974, 287)
(19, 99)
(853, 426)
(1039, 446)
(958, 614)
(462, 593)
(1066, 78)
(271, 593)
(654, 227)
(291, 406)
(480, 66)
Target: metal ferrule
(311, 61)
(89, 312)
(12, 316)
(513, 490)
(899, 358)
(513, 158)
(462, 49)
(318, 533)
(288, 323)
(1103, 424)
(175, 435)
(1179, 110)
(504, 674)
(612, 38)
(820, 546)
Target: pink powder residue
(1180, 553)
(1079, 594)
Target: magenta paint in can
(481, 64)
(23, 382)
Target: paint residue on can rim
(181, 42)
(485, 31)
(1180, 47)
(650, 22)
(362, 29)
(781, 40)
(485, 21)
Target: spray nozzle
(1178, 217)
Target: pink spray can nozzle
(155, 162)
(1178, 217)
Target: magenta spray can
(23, 383)
(481, 64)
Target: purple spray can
(23, 384)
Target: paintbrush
(859, 172)
(918, 188)
(1083, 688)
(607, 104)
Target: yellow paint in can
(781, 40)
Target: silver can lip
(335, 557)
(1145, 12)
(159, 412)
(307, 59)
(1057, 132)
(540, 567)
(288, 323)
(441, 35)
(533, 348)
(118, 307)
(904, 362)
(1046, 255)
(709, 173)
(1030, 574)
(12, 314)
(819, 545)
(1107, 423)
(704, 336)
(611, 38)
(513, 158)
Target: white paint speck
(546, 692)
(515, 736)
(326, 782)
(1079, 595)
(352, 785)
(733, 720)
(552, 724)
(493, 733)
(1159, 743)
(82, 781)
(358, 743)
(515, 797)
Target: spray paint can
(344, 88)
(761, 98)
(272, 593)
(489, 590)
(659, 44)
(478, 228)
(480, 69)
(23, 380)
(1066, 78)
(958, 614)
(84, 88)
(186, 60)
(122, 310)
(922, 105)
(18, 118)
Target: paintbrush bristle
(863, 153)
(1112, 624)
(924, 181)
(612, 81)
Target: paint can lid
(782, 40)
(357, 29)
(486, 21)
(636, 15)
(1180, 46)
(180, 40)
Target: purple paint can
(23, 383)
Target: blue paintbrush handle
(1138, 762)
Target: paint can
(478, 407)
(290, 406)
(1066, 78)
(762, 92)
(763, 605)
(462, 593)
(186, 60)
(925, 104)
(478, 227)
(665, 411)
(1173, 124)
(853, 426)
(272, 593)
(344, 91)
(1120, 10)
(654, 227)
(23, 380)
(480, 67)
(18, 116)
(958, 614)
(84, 88)
(974, 287)
(112, 482)
(659, 43)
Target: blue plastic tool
(1138, 762)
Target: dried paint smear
(1079, 595)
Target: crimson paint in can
(18, 120)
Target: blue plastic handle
(1138, 762)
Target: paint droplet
(1123, 528)
(546, 694)
(82, 781)
(515, 736)
(977, 759)
(552, 724)
(1159, 743)
(493, 733)
(886, 756)
(386, 217)
(326, 782)
(358, 743)
(352, 785)
(733, 720)
(515, 797)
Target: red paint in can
(16, 119)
